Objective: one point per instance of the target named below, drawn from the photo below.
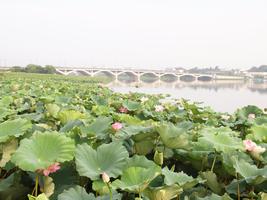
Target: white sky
(134, 33)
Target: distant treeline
(262, 68)
(32, 68)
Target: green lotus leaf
(251, 173)
(76, 193)
(102, 110)
(245, 111)
(128, 131)
(100, 187)
(79, 193)
(140, 161)
(259, 133)
(236, 185)
(7, 150)
(52, 109)
(108, 158)
(215, 197)
(40, 197)
(221, 139)
(47, 186)
(174, 136)
(69, 115)
(43, 150)
(136, 179)
(163, 193)
(6, 183)
(100, 126)
(144, 147)
(128, 119)
(6, 101)
(171, 178)
(13, 128)
(212, 181)
(131, 105)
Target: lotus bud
(117, 126)
(123, 110)
(159, 108)
(158, 158)
(225, 117)
(251, 116)
(144, 99)
(105, 177)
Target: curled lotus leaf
(69, 115)
(43, 150)
(174, 137)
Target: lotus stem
(213, 163)
(110, 191)
(238, 189)
(36, 185)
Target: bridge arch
(188, 78)
(127, 76)
(205, 78)
(149, 77)
(105, 72)
(169, 77)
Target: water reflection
(223, 95)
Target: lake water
(222, 96)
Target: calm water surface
(222, 96)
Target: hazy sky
(134, 33)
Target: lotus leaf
(8, 150)
(171, 178)
(212, 181)
(69, 115)
(259, 133)
(13, 128)
(136, 179)
(163, 193)
(221, 139)
(76, 193)
(108, 158)
(251, 173)
(172, 136)
(40, 197)
(100, 126)
(42, 150)
(131, 105)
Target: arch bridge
(138, 74)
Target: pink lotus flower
(116, 126)
(50, 169)
(105, 177)
(249, 145)
(123, 110)
(253, 147)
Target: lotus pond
(65, 139)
